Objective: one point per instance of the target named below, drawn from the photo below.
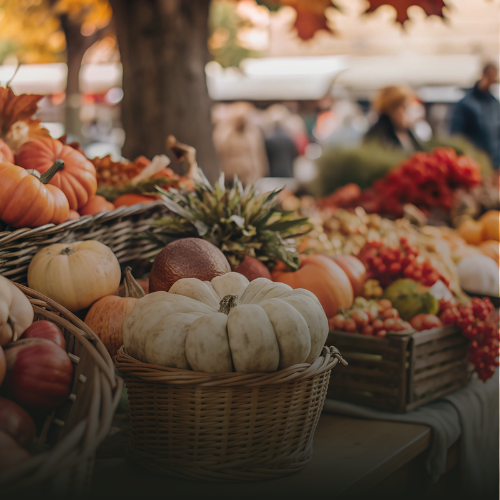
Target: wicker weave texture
(75, 429)
(224, 427)
(117, 229)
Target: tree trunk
(76, 46)
(163, 47)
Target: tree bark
(76, 46)
(163, 48)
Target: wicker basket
(75, 429)
(116, 229)
(224, 427)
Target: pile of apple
(36, 374)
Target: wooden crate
(400, 372)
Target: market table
(351, 456)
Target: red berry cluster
(478, 324)
(426, 180)
(376, 320)
(387, 264)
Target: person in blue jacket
(477, 116)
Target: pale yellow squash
(16, 312)
(75, 274)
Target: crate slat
(437, 382)
(440, 369)
(399, 373)
(440, 357)
(439, 345)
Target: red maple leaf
(431, 7)
(310, 16)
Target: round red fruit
(360, 317)
(381, 333)
(390, 313)
(367, 330)
(350, 326)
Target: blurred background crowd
(300, 106)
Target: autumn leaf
(310, 16)
(16, 108)
(430, 7)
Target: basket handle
(332, 351)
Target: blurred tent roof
(282, 78)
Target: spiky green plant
(237, 220)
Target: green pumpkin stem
(47, 176)
(130, 287)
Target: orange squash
(355, 270)
(491, 248)
(78, 178)
(26, 198)
(107, 315)
(323, 277)
(471, 231)
(6, 154)
(73, 214)
(128, 200)
(491, 226)
(96, 205)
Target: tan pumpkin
(16, 313)
(75, 274)
(107, 315)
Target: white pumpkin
(479, 274)
(75, 274)
(16, 313)
(226, 324)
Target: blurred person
(344, 127)
(239, 143)
(476, 116)
(395, 106)
(279, 133)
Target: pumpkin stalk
(130, 287)
(47, 176)
(227, 303)
(67, 251)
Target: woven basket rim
(81, 442)
(106, 216)
(130, 366)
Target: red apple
(45, 330)
(3, 365)
(39, 374)
(16, 422)
(253, 268)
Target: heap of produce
(54, 181)
(241, 223)
(426, 180)
(36, 375)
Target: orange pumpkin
(355, 270)
(107, 315)
(491, 248)
(491, 226)
(96, 205)
(323, 277)
(471, 231)
(26, 198)
(73, 214)
(6, 154)
(78, 178)
(127, 200)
